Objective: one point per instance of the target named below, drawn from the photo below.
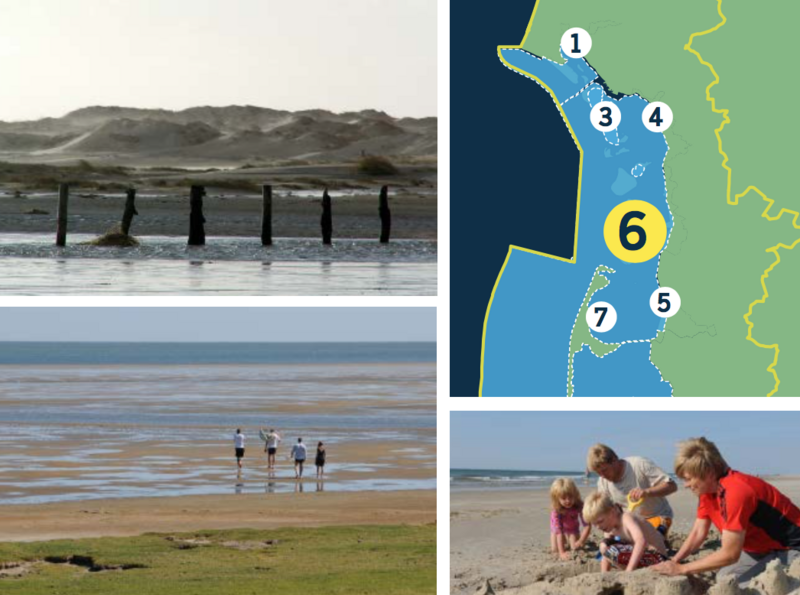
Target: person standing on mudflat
(319, 461)
(238, 444)
(299, 456)
(271, 447)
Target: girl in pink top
(566, 518)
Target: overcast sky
(341, 55)
(751, 442)
(218, 324)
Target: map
(680, 274)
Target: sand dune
(234, 133)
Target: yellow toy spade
(634, 504)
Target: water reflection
(79, 276)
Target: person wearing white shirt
(271, 447)
(299, 456)
(238, 444)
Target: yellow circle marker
(635, 231)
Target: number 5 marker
(665, 302)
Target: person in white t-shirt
(238, 444)
(634, 481)
(299, 456)
(271, 447)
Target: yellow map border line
(735, 201)
(771, 367)
(512, 247)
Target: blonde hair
(600, 454)
(596, 505)
(698, 457)
(564, 487)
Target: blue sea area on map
(563, 79)
(618, 374)
(537, 299)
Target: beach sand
(504, 537)
(134, 516)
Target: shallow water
(30, 264)
(76, 432)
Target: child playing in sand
(565, 518)
(631, 542)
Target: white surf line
(570, 366)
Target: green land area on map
(718, 251)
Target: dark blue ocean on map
(537, 299)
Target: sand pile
(572, 578)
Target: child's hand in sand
(565, 556)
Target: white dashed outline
(570, 366)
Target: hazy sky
(218, 324)
(751, 442)
(57, 56)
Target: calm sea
(31, 265)
(35, 353)
(100, 427)
(498, 479)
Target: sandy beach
(134, 516)
(503, 536)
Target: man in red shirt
(758, 523)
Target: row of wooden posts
(197, 234)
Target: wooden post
(327, 218)
(130, 211)
(197, 231)
(386, 215)
(266, 216)
(61, 227)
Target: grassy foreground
(357, 559)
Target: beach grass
(350, 559)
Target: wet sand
(228, 213)
(504, 537)
(133, 516)
(128, 431)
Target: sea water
(100, 428)
(30, 264)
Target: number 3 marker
(605, 116)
